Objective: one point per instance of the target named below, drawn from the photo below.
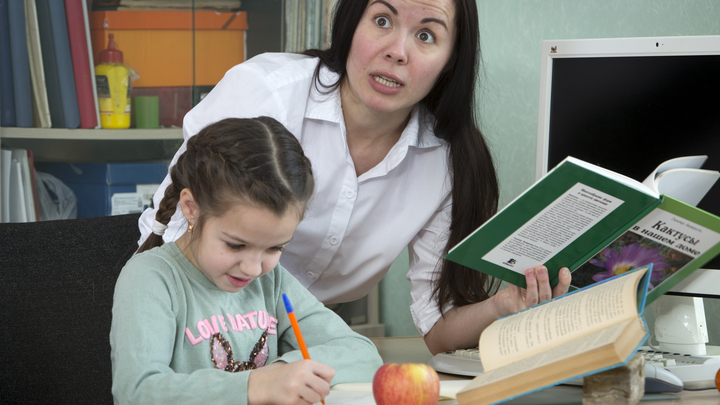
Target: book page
(557, 322)
(553, 228)
(555, 355)
(691, 163)
(687, 185)
(620, 178)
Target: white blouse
(354, 227)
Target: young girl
(202, 319)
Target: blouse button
(310, 274)
(349, 194)
(334, 241)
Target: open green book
(597, 223)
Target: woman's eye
(426, 37)
(382, 21)
(234, 246)
(278, 249)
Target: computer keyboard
(459, 362)
(696, 372)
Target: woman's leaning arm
(461, 327)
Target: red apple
(406, 384)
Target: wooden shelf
(95, 145)
(91, 134)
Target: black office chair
(56, 292)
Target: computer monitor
(629, 104)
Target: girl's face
(399, 49)
(243, 244)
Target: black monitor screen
(629, 114)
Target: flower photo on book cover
(628, 252)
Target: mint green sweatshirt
(172, 329)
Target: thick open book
(599, 223)
(581, 333)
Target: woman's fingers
(531, 291)
(543, 282)
(538, 285)
(564, 284)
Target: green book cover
(675, 237)
(561, 221)
(598, 224)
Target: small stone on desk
(624, 385)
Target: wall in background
(511, 32)
(265, 26)
(395, 299)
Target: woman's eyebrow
(424, 20)
(435, 20)
(388, 5)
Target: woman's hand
(302, 382)
(513, 299)
(461, 327)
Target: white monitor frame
(701, 282)
(608, 47)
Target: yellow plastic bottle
(113, 87)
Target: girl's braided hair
(254, 161)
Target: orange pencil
(296, 329)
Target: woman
(386, 116)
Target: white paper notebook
(361, 393)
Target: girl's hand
(513, 299)
(302, 382)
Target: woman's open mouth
(386, 81)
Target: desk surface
(413, 350)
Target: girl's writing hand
(513, 299)
(302, 382)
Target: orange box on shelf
(158, 45)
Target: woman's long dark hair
(452, 103)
